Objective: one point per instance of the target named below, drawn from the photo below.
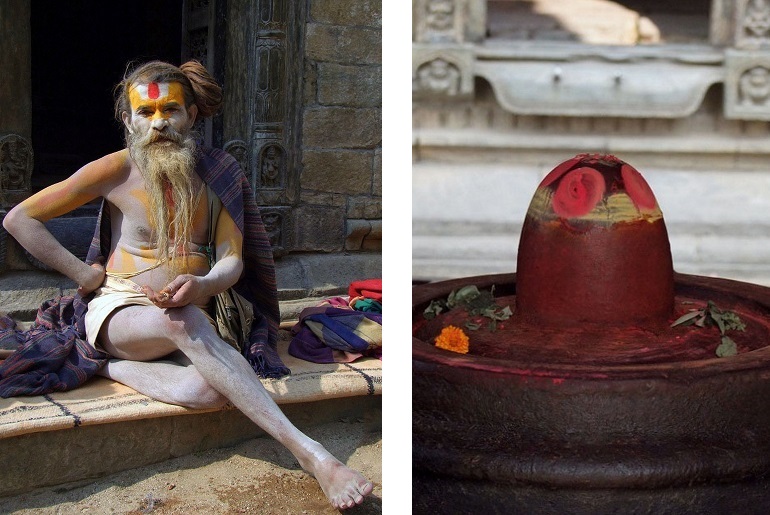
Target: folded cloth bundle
(327, 334)
(367, 288)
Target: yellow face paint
(156, 99)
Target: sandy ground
(256, 476)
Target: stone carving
(438, 76)
(271, 166)
(440, 15)
(449, 21)
(443, 73)
(270, 93)
(754, 86)
(755, 27)
(275, 220)
(747, 85)
(238, 149)
(16, 160)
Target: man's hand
(94, 280)
(183, 290)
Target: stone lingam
(595, 379)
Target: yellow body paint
(156, 99)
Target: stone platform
(105, 427)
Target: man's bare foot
(344, 487)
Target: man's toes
(367, 488)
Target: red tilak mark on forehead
(153, 90)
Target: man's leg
(143, 333)
(181, 385)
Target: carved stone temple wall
(505, 90)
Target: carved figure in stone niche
(440, 15)
(154, 270)
(271, 166)
(239, 151)
(273, 221)
(754, 86)
(15, 163)
(438, 76)
(757, 19)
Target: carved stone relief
(449, 21)
(16, 159)
(276, 222)
(438, 21)
(753, 25)
(272, 169)
(240, 151)
(747, 85)
(442, 73)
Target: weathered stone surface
(347, 12)
(348, 45)
(35, 460)
(309, 91)
(365, 208)
(363, 235)
(22, 292)
(337, 171)
(319, 228)
(321, 198)
(15, 81)
(327, 280)
(342, 127)
(353, 86)
(377, 173)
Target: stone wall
(340, 206)
(511, 109)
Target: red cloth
(367, 288)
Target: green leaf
(733, 321)
(434, 309)
(727, 348)
(687, 318)
(720, 323)
(472, 326)
(466, 294)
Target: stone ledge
(35, 460)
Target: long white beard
(167, 163)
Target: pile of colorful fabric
(341, 329)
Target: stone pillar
(16, 156)
(442, 59)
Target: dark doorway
(80, 50)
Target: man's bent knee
(195, 392)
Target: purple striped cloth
(53, 355)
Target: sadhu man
(149, 280)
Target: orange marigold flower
(453, 339)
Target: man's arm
(25, 222)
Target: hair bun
(208, 94)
